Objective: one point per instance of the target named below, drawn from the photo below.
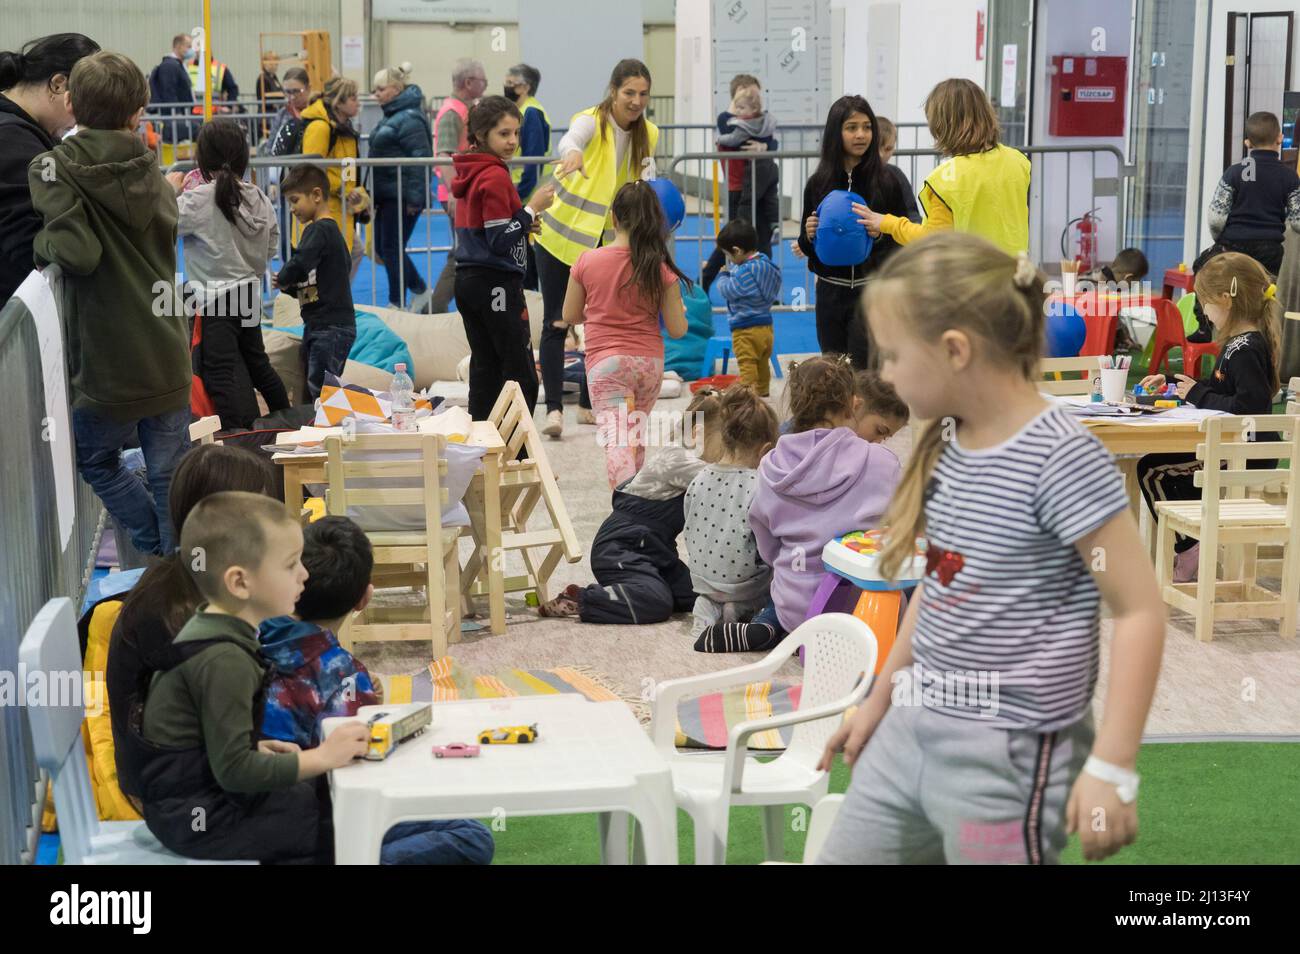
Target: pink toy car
(455, 750)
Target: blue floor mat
(795, 332)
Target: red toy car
(455, 750)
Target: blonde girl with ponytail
(987, 691)
(1240, 301)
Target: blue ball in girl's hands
(841, 238)
(670, 198)
(1066, 330)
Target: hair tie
(1232, 289)
(1270, 292)
(1026, 272)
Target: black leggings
(841, 325)
(553, 276)
(231, 360)
(500, 348)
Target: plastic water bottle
(402, 394)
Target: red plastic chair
(1101, 315)
(1170, 335)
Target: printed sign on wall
(786, 44)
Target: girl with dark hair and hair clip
(850, 161)
(35, 113)
(620, 291)
(492, 229)
(229, 230)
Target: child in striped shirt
(987, 692)
(749, 284)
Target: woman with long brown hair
(606, 147)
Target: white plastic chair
(50, 651)
(839, 649)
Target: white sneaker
(586, 415)
(554, 424)
(420, 303)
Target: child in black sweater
(1241, 303)
(319, 276)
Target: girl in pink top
(620, 290)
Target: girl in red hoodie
(491, 256)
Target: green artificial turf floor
(1200, 803)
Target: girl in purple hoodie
(821, 480)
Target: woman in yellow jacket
(982, 188)
(329, 133)
(605, 148)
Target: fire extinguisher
(1087, 230)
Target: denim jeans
(457, 842)
(325, 349)
(141, 510)
(393, 228)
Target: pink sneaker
(1186, 565)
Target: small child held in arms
(212, 787)
(316, 678)
(726, 570)
(749, 284)
(819, 481)
(318, 275)
(639, 576)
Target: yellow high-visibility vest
(196, 78)
(543, 172)
(580, 214)
(988, 193)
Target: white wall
(1207, 125)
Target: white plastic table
(588, 757)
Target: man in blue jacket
(534, 140)
(170, 83)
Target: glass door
(1159, 117)
(1008, 56)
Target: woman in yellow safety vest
(329, 133)
(982, 188)
(606, 147)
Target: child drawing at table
(1028, 527)
(1241, 304)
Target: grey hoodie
(219, 254)
(762, 126)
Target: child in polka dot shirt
(730, 578)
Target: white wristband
(1125, 782)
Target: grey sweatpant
(931, 788)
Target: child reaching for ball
(989, 683)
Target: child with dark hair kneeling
(315, 678)
(211, 788)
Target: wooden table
(484, 492)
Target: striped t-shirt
(1008, 623)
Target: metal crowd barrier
(33, 567)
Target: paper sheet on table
(1174, 415)
(36, 293)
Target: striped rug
(445, 681)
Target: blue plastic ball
(670, 198)
(1066, 330)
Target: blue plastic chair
(719, 346)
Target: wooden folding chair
(524, 483)
(426, 557)
(1062, 375)
(1225, 516)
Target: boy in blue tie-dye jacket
(315, 678)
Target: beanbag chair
(841, 240)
